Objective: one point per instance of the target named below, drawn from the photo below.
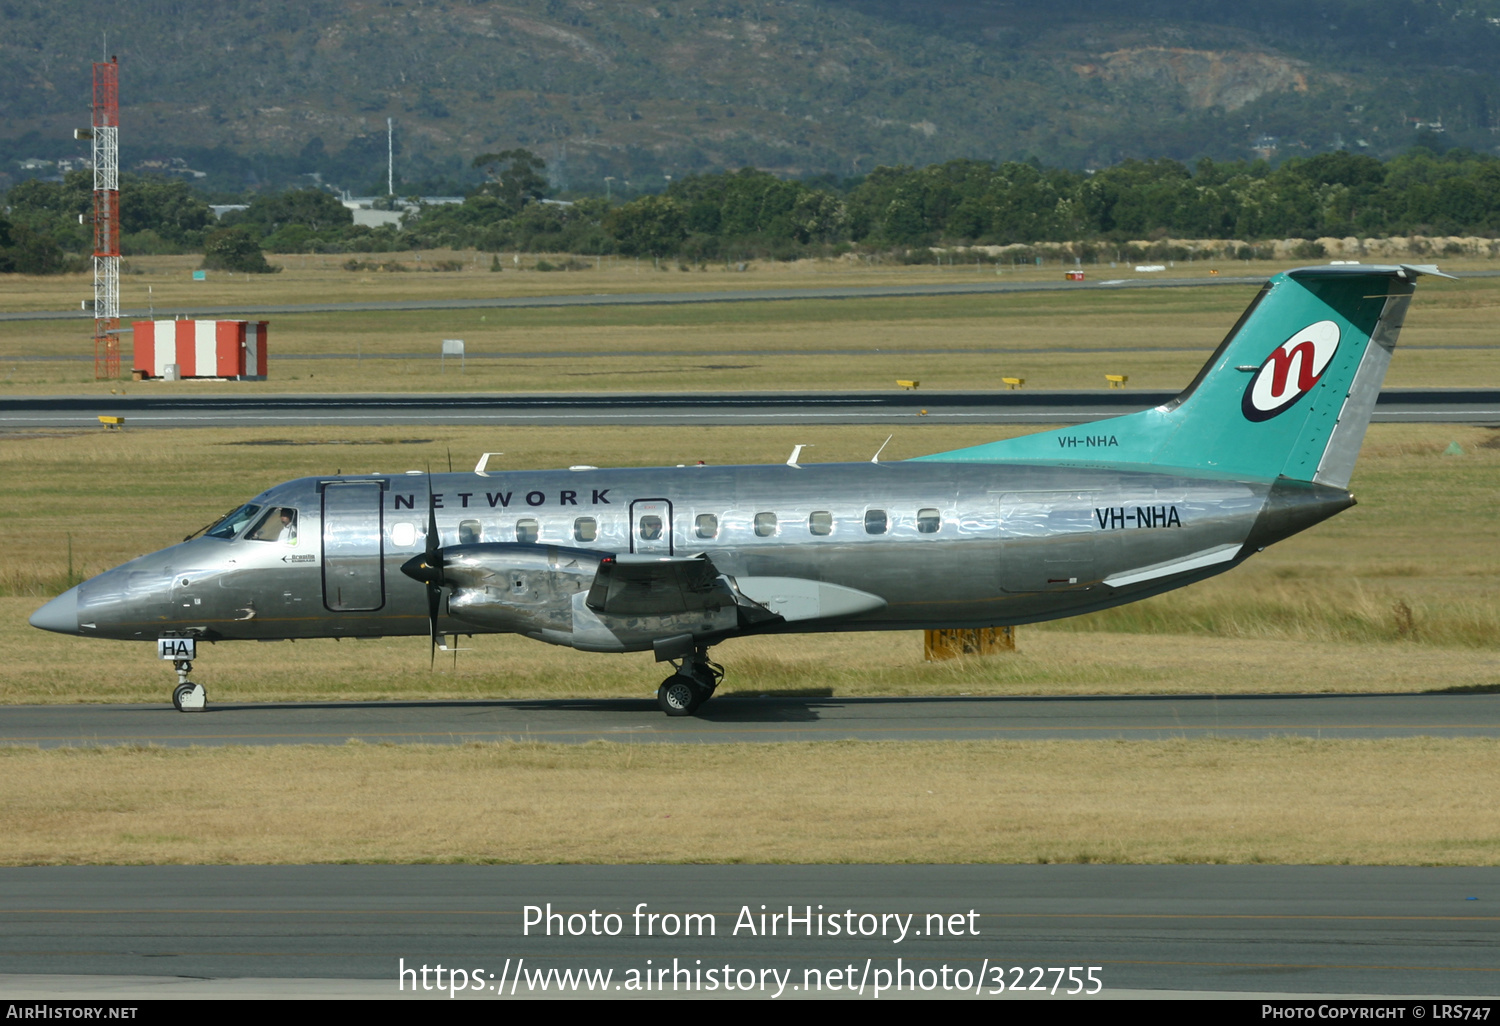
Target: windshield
(235, 522)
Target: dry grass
(48, 668)
(320, 278)
(121, 494)
(1158, 338)
(1401, 593)
(1418, 801)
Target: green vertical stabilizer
(1288, 393)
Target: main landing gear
(693, 684)
(187, 696)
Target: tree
(234, 249)
(168, 207)
(314, 209)
(651, 225)
(515, 177)
(23, 250)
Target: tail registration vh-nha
(1259, 446)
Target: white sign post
(453, 347)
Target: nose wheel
(187, 696)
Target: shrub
(235, 249)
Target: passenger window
(929, 521)
(234, 523)
(706, 526)
(765, 524)
(820, 523)
(875, 521)
(403, 534)
(527, 531)
(650, 527)
(278, 524)
(469, 532)
(585, 529)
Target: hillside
(263, 91)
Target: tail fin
(1289, 392)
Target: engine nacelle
(518, 588)
(544, 592)
(601, 602)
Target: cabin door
(353, 546)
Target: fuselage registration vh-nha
(1260, 445)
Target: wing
(653, 585)
(658, 586)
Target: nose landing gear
(187, 696)
(693, 684)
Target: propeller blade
(433, 597)
(434, 570)
(432, 528)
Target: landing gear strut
(693, 684)
(187, 696)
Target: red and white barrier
(202, 349)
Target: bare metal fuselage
(927, 544)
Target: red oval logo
(1291, 371)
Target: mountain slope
(268, 89)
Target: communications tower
(106, 138)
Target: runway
(732, 719)
(1397, 405)
(1107, 283)
(268, 930)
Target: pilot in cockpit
(277, 525)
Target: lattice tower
(106, 137)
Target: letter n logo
(1291, 371)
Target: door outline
(637, 544)
(338, 559)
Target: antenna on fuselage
(791, 460)
(484, 460)
(876, 457)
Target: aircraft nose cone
(60, 615)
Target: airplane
(673, 560)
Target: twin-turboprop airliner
(1260, 445)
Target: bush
(24, 251)
(235, 249)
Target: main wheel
(679, 695)
(189, 697)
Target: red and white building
(201, 349)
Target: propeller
(428, 568)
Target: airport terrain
(1389, 605)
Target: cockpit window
(235, 522)
(279, 524)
